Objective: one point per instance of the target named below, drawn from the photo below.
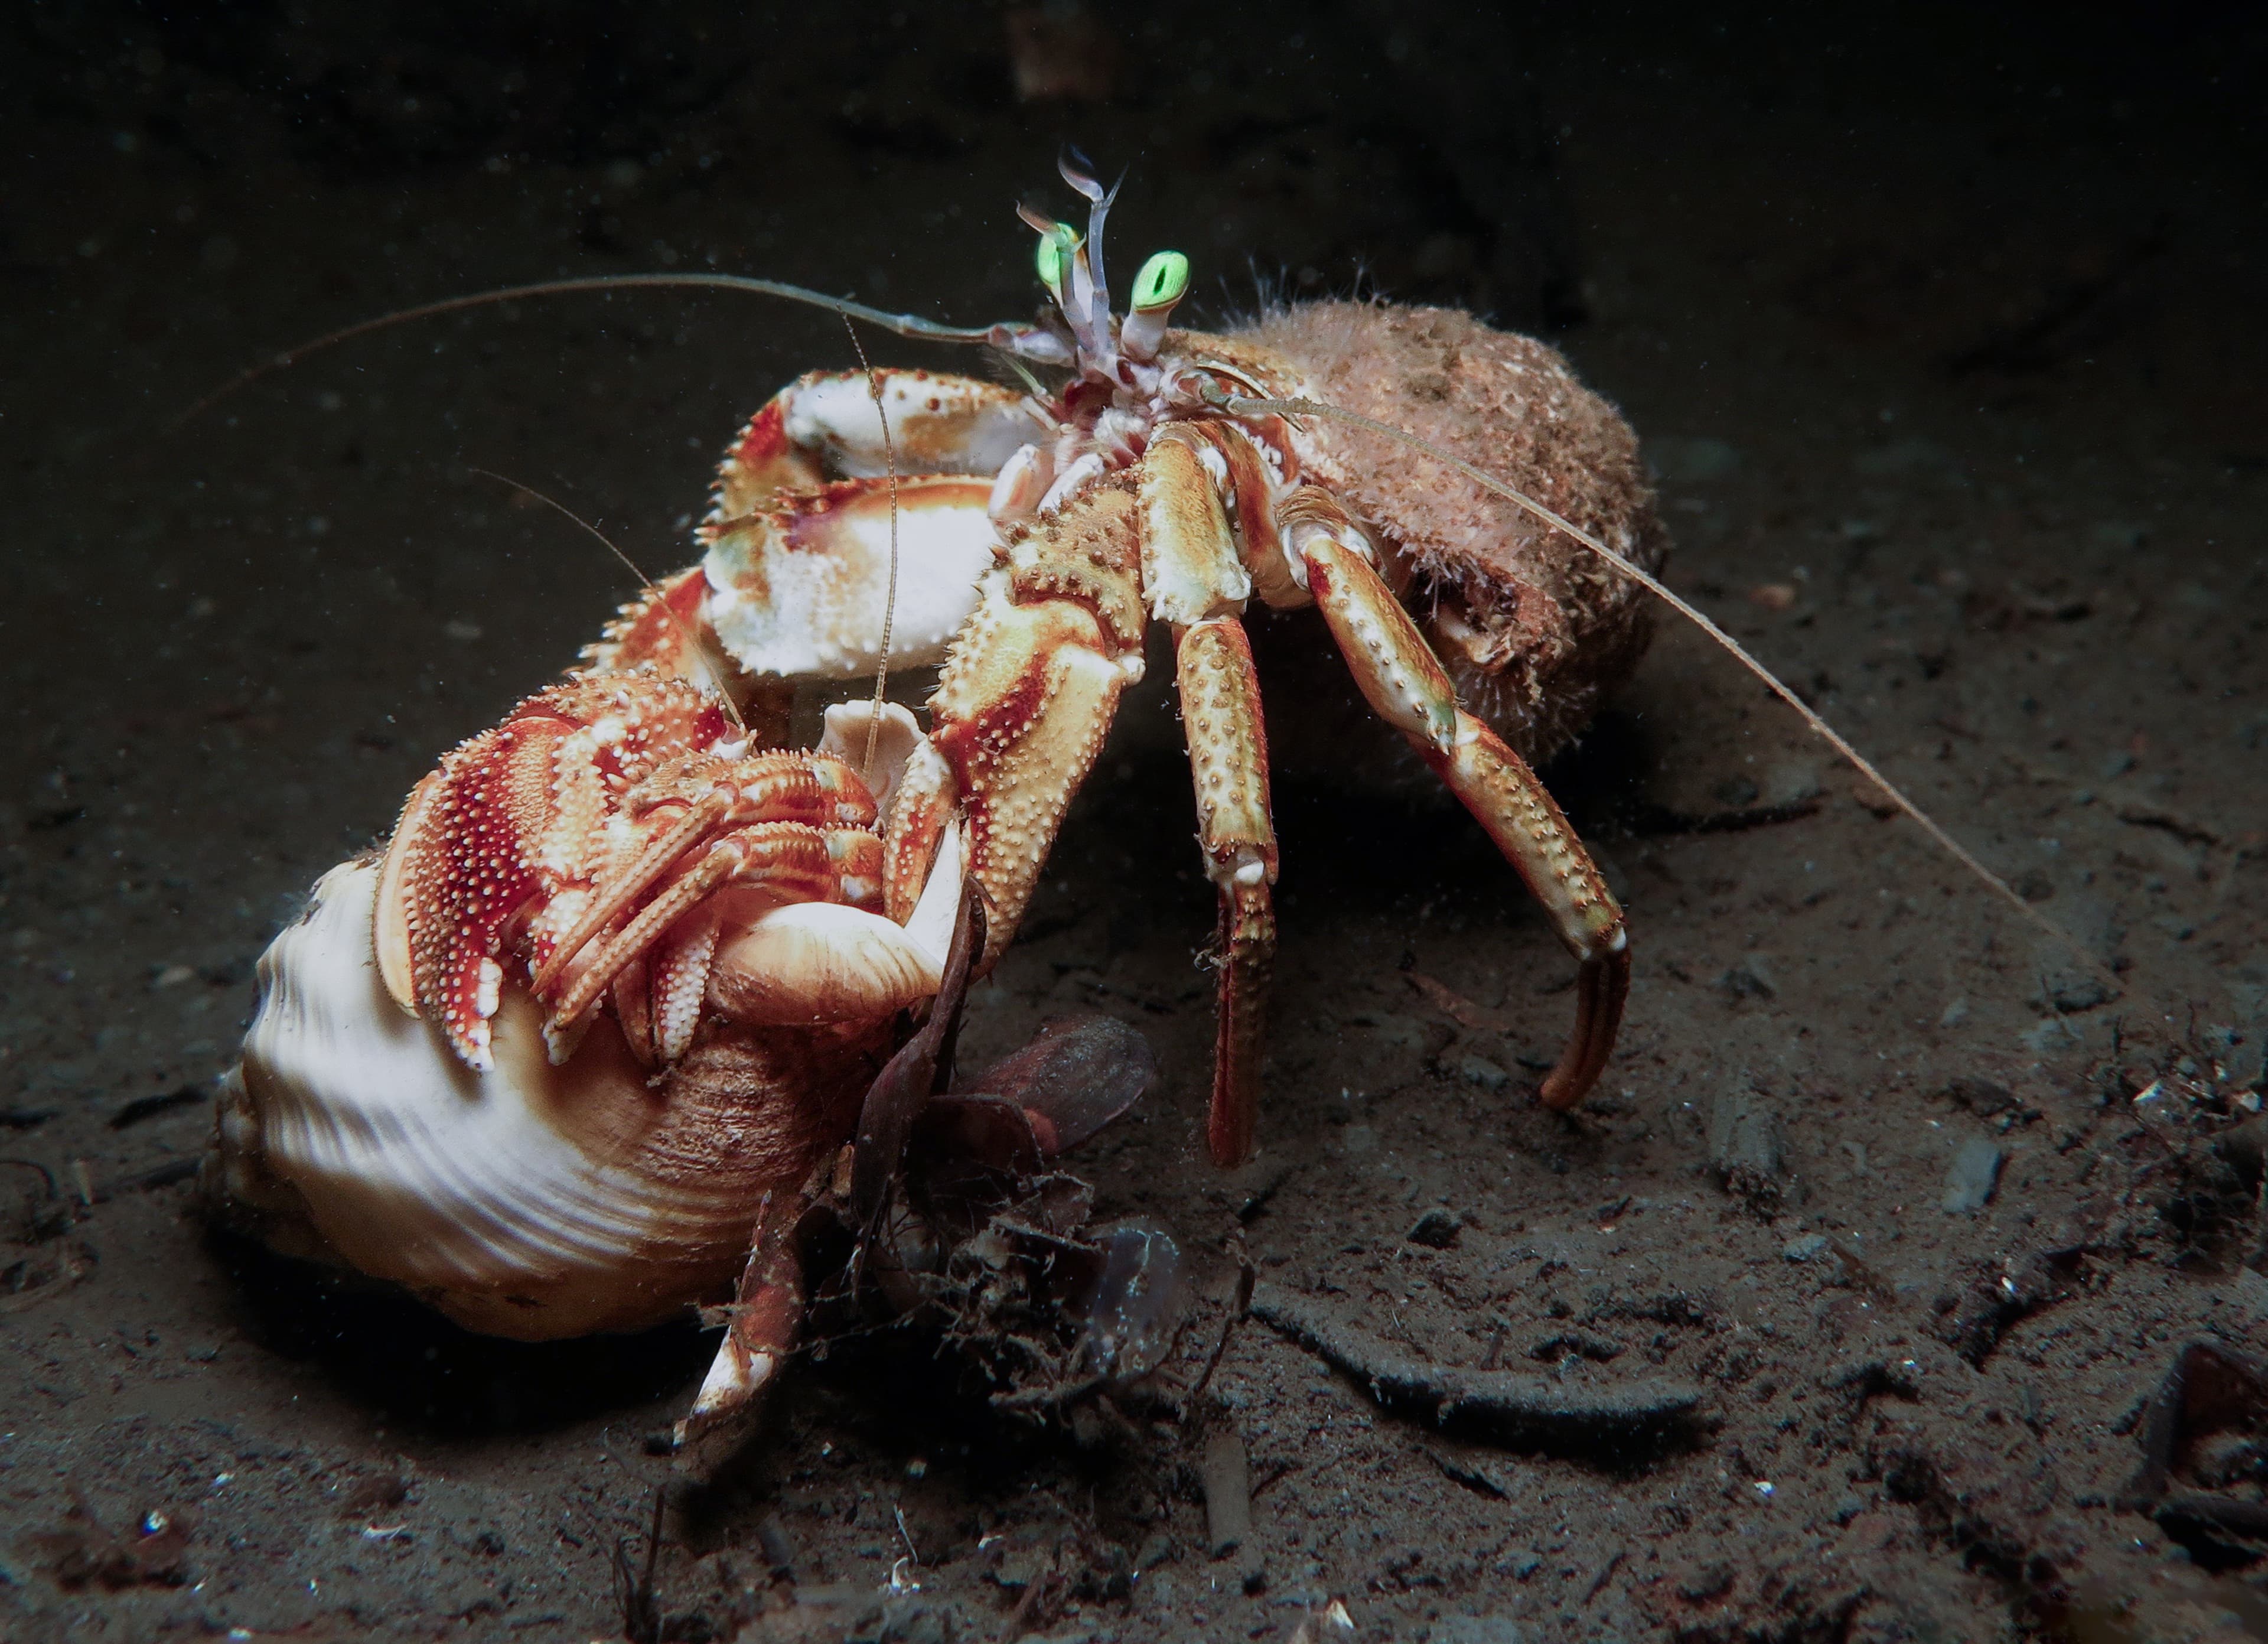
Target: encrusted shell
(1533, 627)
(532, 1201)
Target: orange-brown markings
(794, 861)
(513, 816)
(658, 628)
(1227, 742)
(1020, 714)
(697, 797)
(1251, 490)
(1248, 957)
(763, 462)
(933, 432)
(919, 814)
(811, 522)
(1089, 552)
(1528, 827)
(1228, 759)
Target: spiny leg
(1228, 759)
(794, 860)
(763, 1326)
(1406, 683)
(813, 788)
(514, 815)
(1193, 579)
(1024, 702)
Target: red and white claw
(513, 817)
(609, 842)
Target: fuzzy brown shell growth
(1533, 626)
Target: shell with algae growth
(1534, 628)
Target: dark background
(1942, 326)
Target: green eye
(1054, 253)
(1162, 280)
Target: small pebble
(1437, 1229)
(1480, 1070)
(1747, 1148)
(1751, 979)
(1975, 1172)
(1807, 1248)
(1228, 1476)
(1849, 1507)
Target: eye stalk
(1059, 245)
(1163, 281)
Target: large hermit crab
(623, 981)
(1042, 533)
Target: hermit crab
(633, 976)
(1040, 534)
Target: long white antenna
(890, 604)
(1246, 405)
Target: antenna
(1246, 405)
(902, 324)
(890, 603)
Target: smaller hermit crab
(613, 980)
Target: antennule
(1097, 302)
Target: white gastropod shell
(536, 1200)
(530, 1201)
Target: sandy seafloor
(1943, 333)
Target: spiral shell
(530, 1201)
